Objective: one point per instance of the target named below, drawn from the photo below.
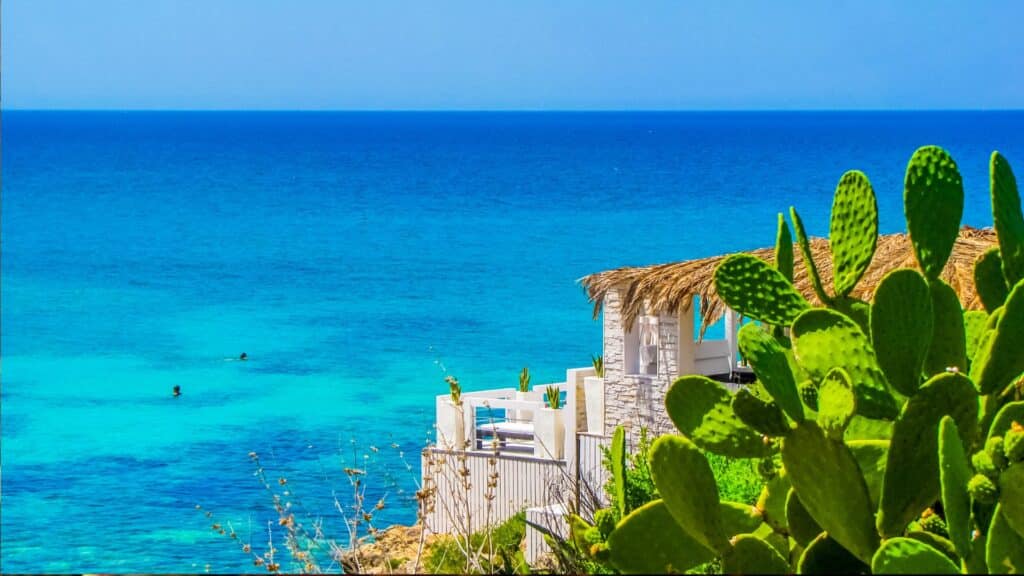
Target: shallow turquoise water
(350, 255)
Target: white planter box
(451, 426)
(549, 434)
(593, 391)
(526, 415)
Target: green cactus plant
(911, 481)
(901, 328)
(768, 359)
(701, 408)
(989, 280)
(948, 346)
(853, 234)
(1006, 214)
(953, 477)
(933, 202)
(824, 339)
(753, 288)
(875, 470)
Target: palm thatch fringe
(672, 287)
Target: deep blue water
(350, 255)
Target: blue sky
(523, 54)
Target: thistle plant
(524, 379)
(598, 362)
(455, 389)
(898, 421)
(554, 397)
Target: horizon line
(515, 110)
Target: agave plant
(898, 421)
(524, 380)
(598, 362)
(554, 397)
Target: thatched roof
(671, 287)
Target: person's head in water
(177, 391)
(243, 356)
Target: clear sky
(519, 54)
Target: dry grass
(672, 287)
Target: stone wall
(633, 400)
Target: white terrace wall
(634, 400)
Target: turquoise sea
(354, 257)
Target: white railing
(527, 424)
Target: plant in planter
(593, 390)
(908, 457)
(451, 417)
(549, 429)
(524, 394)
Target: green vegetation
(598, 362)
(524, 380)
(497, 550)
(880, 437)
(554, 397)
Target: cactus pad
(825, 339)
(826, 556)
(769, 361)
(649, 541)
(1004, 550)
(701, 409)
(953, 477)
(763, 417)
(871, 456)
(999, 359)
(948, 346)
(751, 555)
(933, 202)
(936, 541)
(802, 527)
(853, 233)
(827, 479)
(755, 289)
(910, 556)
(901, 328)
(809, 395)
(836, 403)
(740, 518)
(1006, 214)
(805, 253)
(989, 281)
(784, 249)
(687, 486)
(1011, 487)
(1011, 412)
(772, 500)
(974, 327)
(912, 467)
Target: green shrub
(446, 556)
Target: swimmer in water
(243, 356)
(177, 391)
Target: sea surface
(356, 258)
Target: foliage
(454, 388)
(554, 397)
(897, 423)
(639, 487)
(500, 547)
(598, 362)
(524, 380)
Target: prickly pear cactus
(753, 288)
(901, 328)
(880, 472)
(1009, 222)
(933, 202)
(853, 234)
